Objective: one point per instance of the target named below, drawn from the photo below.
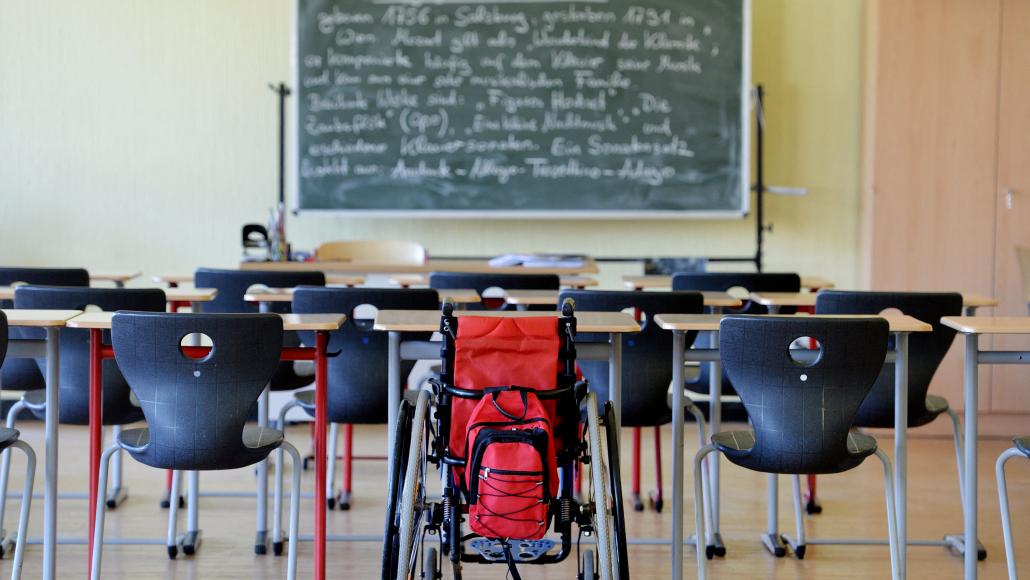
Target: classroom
(515, 289)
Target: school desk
(680, 325)
(657, 282)
(397, 322)
(321, 324)
(589, 266)
(973, 327)
(51, 321)
(525, 298)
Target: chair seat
(8, 437)
(253, 437)
(737, 446)
(1023, 444)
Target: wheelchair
(507, 428)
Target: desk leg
(96, 361)
(53, 373)
(714, 426)
(969, 500)
(321, 376)
(901, 445)
(615, 375)
(678, 344)
(393, 387)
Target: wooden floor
(853, 507)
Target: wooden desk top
(429, 320)
(423, 280)
(988, 324)
(458, 296)
(290, 321)
(454, 265)
(665, 282)
(39, 318)
(190, 294)
(898, 323)
(114, 276)
(550, 297)
(330, 280)
(808, 299)
(177, 294)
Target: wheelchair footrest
(521, 550)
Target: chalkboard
(611, 108)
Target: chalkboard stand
(283, 92)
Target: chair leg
(98, 531)
(26, 503)
(700, 532)
(799, 520)
(190, 541)
(277, 492)
(348, 467)
(173, 516)
(5, 470)
(956, 429)
(118, 493)
(714, 543)
(1006, 518)
(330, 470)
(638, 505)
(657, 500)
(892, 521)
(261, 527)
(291, 557)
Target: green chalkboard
(604, 108)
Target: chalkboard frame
(746, 90)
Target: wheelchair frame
(422, 438)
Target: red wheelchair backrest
(494, 351)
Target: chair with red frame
(503, 424)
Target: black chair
(10, 438)
(1020, 448)
(196, 408)
(801, 407)
(926, 350)
(232, 285)
(118, 408)
(358, 376)
(721, 282)
(22, 374)
(482, 282)
(645, 363)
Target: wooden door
(1011, 383)
(933, 154)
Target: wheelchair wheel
(398, 465)
(413, 490)
(618, 532)
(599, 494)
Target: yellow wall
(141, 135)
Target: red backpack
(511, 465)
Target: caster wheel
(330, 503)
(799, 552)
(173, 551)
(277, 548)
(813, 508)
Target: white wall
(141, 135)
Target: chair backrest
(74, 395)
(358, 375)
(926, 350)
(646, 368)
(196, 409)
(379, 251)
(1023, 254)
(482, 282)
(22, 374)
(3, 337)
(232, 285)
(801, 414)
(750, 281)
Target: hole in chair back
(189, 342)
